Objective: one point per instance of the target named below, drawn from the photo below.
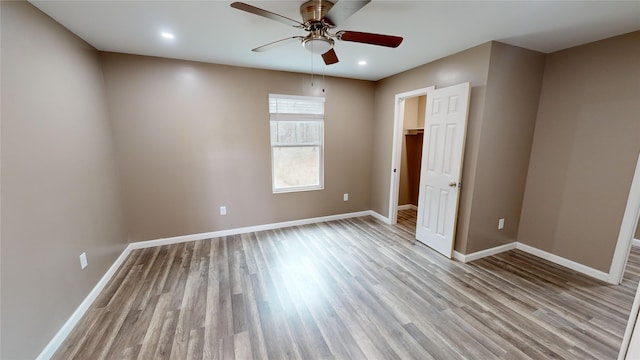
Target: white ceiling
(213, 32)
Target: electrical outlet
(345, 197)
(83, 260)
(223, 210)
(500, 224)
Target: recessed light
(362, 63)
(167, 35)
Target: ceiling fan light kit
(318, 17)
(319, 45)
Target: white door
(442, 151)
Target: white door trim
(627, 230)
(396, 150)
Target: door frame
(627, 230)
(396, 150)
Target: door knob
(453, 184)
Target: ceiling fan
(318, 18)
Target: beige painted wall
(411, 113)
(469, 65)
(505, 81)
(60, 194)
(511, 103)
(586, 143)
(190, 140)
(422, 109)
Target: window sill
(297, 189)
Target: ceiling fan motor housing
(314, 10)
(312, 13)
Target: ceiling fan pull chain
(312, 72)
(323, 68)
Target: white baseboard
(636, 242)
(600, 275)
(64, 331)
(597, 274)
(483, 253)
(376, 215)
(459, 256)
(407, 207)
(248, 229)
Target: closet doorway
(411, 157)
(410, 110)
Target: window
(297, 137)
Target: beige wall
(411, 112)
(505, 81)
(469, 65)
(586, 143)
(192, 137)
(422, 109)
(511, 102)
(60, 195)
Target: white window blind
(296, 105)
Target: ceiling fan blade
(275, 44)
(341, 10)
(369, 38)
(330, 57)
(268, 14)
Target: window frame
(297, 118)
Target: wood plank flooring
(348, 289)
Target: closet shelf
(413, 131)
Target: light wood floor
(349, 289)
